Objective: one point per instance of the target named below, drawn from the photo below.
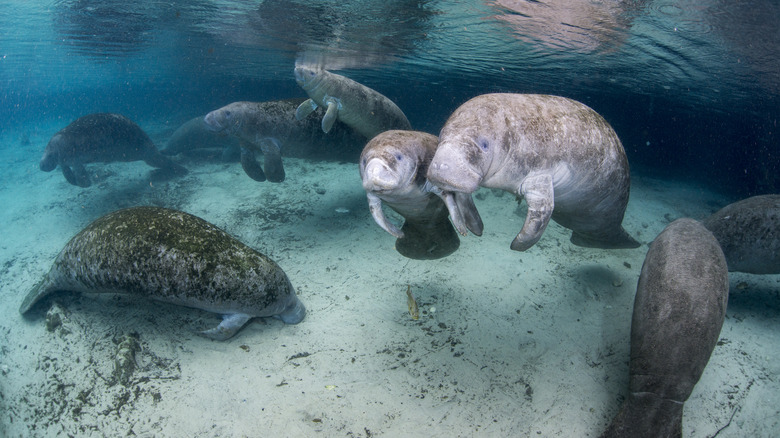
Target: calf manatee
(393, 166)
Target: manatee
(270, 127)
(393, 166)
(749, 234)
(679, 310)
(173, 257)
(358, 106)
(558, 154)
(103, 137)
(195, 137)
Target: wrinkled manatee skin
(174, 257)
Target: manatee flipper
(538, 193)
(272, 164)
(427, 240)
(77, 176)
(166, 168)
(160, 161)
(230, 324)
(457, 217)
(618, 239)
(293, 313)
(250, 165)
(469, 212)
(304, 109)
(375, 206)
(330, 115)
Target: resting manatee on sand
(174, 257)
(393, 166)
(679, 310)
(558, 154)
(749, 234)
(365, 110)
(104, 138)
(270, 127)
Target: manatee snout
(450, 177)
(378, 177)
(49, 159)
(304, 74)
(48, 162)
(215, 120)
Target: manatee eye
(399, 157)
(227, 113)
(483, 144)
(364, 162)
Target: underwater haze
(488, 341)
(691, 87)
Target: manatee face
(50, 156)
(387, 170)
(460, 164)
(473, 144)
(306, 76)
(226, 117)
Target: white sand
(522, 344)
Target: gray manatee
(558, 154)
(194, 137)
(679, 309)
(104, 138)
(393, 166)
(749, 234)
(364, 109)
(174, 257)
(271, 127)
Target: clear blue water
(692, 87)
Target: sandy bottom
(508, 343)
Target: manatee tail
(619, 239)
(166, 166)
(40, 291)
(427, 241)
(645, 415)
